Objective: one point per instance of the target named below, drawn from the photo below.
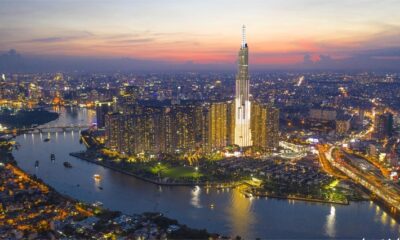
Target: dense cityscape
(199, 154)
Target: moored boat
(97, 177)
(67, 165)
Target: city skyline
(322, 34)
(213, 119)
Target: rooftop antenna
(244, 36)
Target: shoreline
(216, 185)
(88, 210)
(304, 199)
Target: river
(232, 214)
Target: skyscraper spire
(242, 100)
(244, 36)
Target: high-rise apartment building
(114, 130)
(102, 108)
(265, 126)
(218, 125)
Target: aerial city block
(111, 130)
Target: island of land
(25, 118)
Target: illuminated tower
(242, 101)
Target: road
(376, 183)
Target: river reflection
(223, 211)
(330, 223)
(195, 201)
(240, 212)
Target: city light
(115, 117)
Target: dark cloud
(369, 60)
(68, 37)
(47, 40)
(134, 41)
(13, 62)
(386, 52)
(372, 60)
(278, 54)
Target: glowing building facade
(265, 126)
(242, 100)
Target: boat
(97, 204)
(46, 140)
(195, 189)
(67, 165)
(97, 177)
(248, 194)
(52, 157)
(101, 188)
(36, 163)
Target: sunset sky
(206, 31)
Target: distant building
(393, 160)
(131, 94)
(372, 150)
(343, 125)
(360, 117)
(113, 130)
(383, 125)
(102, 108)
(324, 114)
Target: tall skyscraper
(242, 101)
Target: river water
(232, 214)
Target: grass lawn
(175, 172)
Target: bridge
(377, 185)
(57, 128)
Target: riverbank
(255, 193)
(247, 192)
(38, 211)
(81, 155)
